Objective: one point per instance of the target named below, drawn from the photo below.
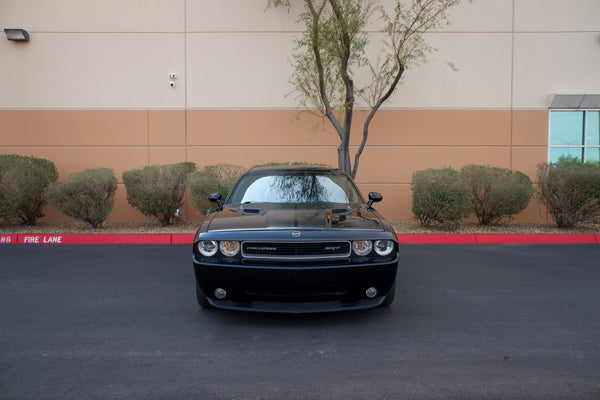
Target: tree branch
(371, 115)
(316, 15)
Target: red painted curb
(497, 238)
(125, 238)
(458, 238)
(536, 238)
(8, 239)
(188, 238)
(182, 238)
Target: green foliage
(338, 32)
(23, 181)
(332, 52)
(334, 42)
(568, 159)
(570, 190)
(218, 178)
(442, 196)
(277, 3)
(497, 192)
(158, 190)
(87, 195)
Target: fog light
(220, 293)
(371, 292)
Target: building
(93, 88)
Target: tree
(332, 50)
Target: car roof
(295, 169)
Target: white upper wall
(556, 50)
(233, 70)
(94, 15)
(240, 16)
(234, 54)
(548, 63)
(93, 54)
(87, 70)
(480, 16)
(557, 15)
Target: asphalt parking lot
(469, 322)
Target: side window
(574, 134)
(593, 136)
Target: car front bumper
(296, 288)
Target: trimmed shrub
(570, 190)
(442, 196)
(88, 195)
(497, 193)
(218, 178)
(23, 181)
(158, 190)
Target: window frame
(584, 146)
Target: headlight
(362, 247)
(229, 248)
(384, 247)
(207, 248)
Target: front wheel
(201, 297)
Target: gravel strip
(411, 226)
(74, 226)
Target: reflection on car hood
(269, 216)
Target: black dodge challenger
(295, 239)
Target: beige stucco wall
(401, 142)
(91, 88)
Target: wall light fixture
(17, 35)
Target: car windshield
(295, 188)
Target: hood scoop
(249, 210)
(339, 210)
(335, 216)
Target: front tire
(201, 297)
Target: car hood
(254, 217)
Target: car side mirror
(374, 197)
(216, 198)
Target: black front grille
(296, 249)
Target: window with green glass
(574, 133)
